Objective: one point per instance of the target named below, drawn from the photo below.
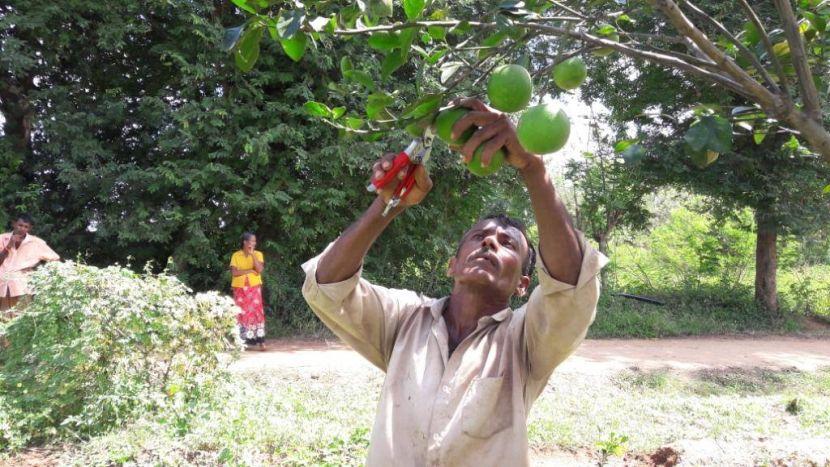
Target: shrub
(97, 347)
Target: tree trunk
(766, 265)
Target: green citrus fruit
(509, 88)
(543, 129)
(496, 162)
(445, 121)
(606, 31)
(570, 73)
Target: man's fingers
(422, 179)
(472, 103)
(490, 148)
(483, 134)
(478, 118)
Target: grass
(294, 417)
(688, 314)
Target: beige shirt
(15, 269)
(468, 408)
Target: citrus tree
(772, 52)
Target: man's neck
(465, 307)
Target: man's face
(21, 228)
(250, 243)
(492, 255)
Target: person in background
(20, 253)
(247, 265)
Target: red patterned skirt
(252, 318)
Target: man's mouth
(486, 256)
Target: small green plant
(612, 445)
(97, 347)
(794, 407)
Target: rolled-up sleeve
(558, 315)
(365, 316)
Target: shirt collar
(436, 308)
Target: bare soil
(594, 357)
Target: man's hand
(495, 131)
(419, 190)
(14, 242)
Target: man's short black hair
(25, 217)
(505, 221)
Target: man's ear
(521, 289)
(450, 266)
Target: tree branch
(759, 93)
(662, 59)
(809, 93)
(782, 78)
(742, 48)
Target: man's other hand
(419, 190)
(495, 130)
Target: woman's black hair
(245, 237)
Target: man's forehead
(488, 225)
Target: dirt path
(592, 357)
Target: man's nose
(490, 242)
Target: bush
(97, 347)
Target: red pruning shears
(417, 153)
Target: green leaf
(295, 46)
(448, 70)
(826, 189)
(413, 8)
(392, 62)
(362, 77)
(289, 23)
(384, 41)
(437, 32)
(247, 50)
(625, 19)
(337, 112)
(606, 30)
(407, 38)
(317, 109)
(792, 143)
(622, 145)
(243, 4)
(354, 123)
(710, 133)
(751, 36)
(376, 103)
(232, 36)
(423, 106)
(433, 58)
(759, 136)
(346, 65)
(319, 23)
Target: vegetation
(324, 417)
(98, 348)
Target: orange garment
(18, 264)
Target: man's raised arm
(560, 310)
(346, 255)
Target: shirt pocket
(487, 408)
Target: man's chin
(476, 275)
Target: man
(20, 252)
(463, 371)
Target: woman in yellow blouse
(246, 268)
